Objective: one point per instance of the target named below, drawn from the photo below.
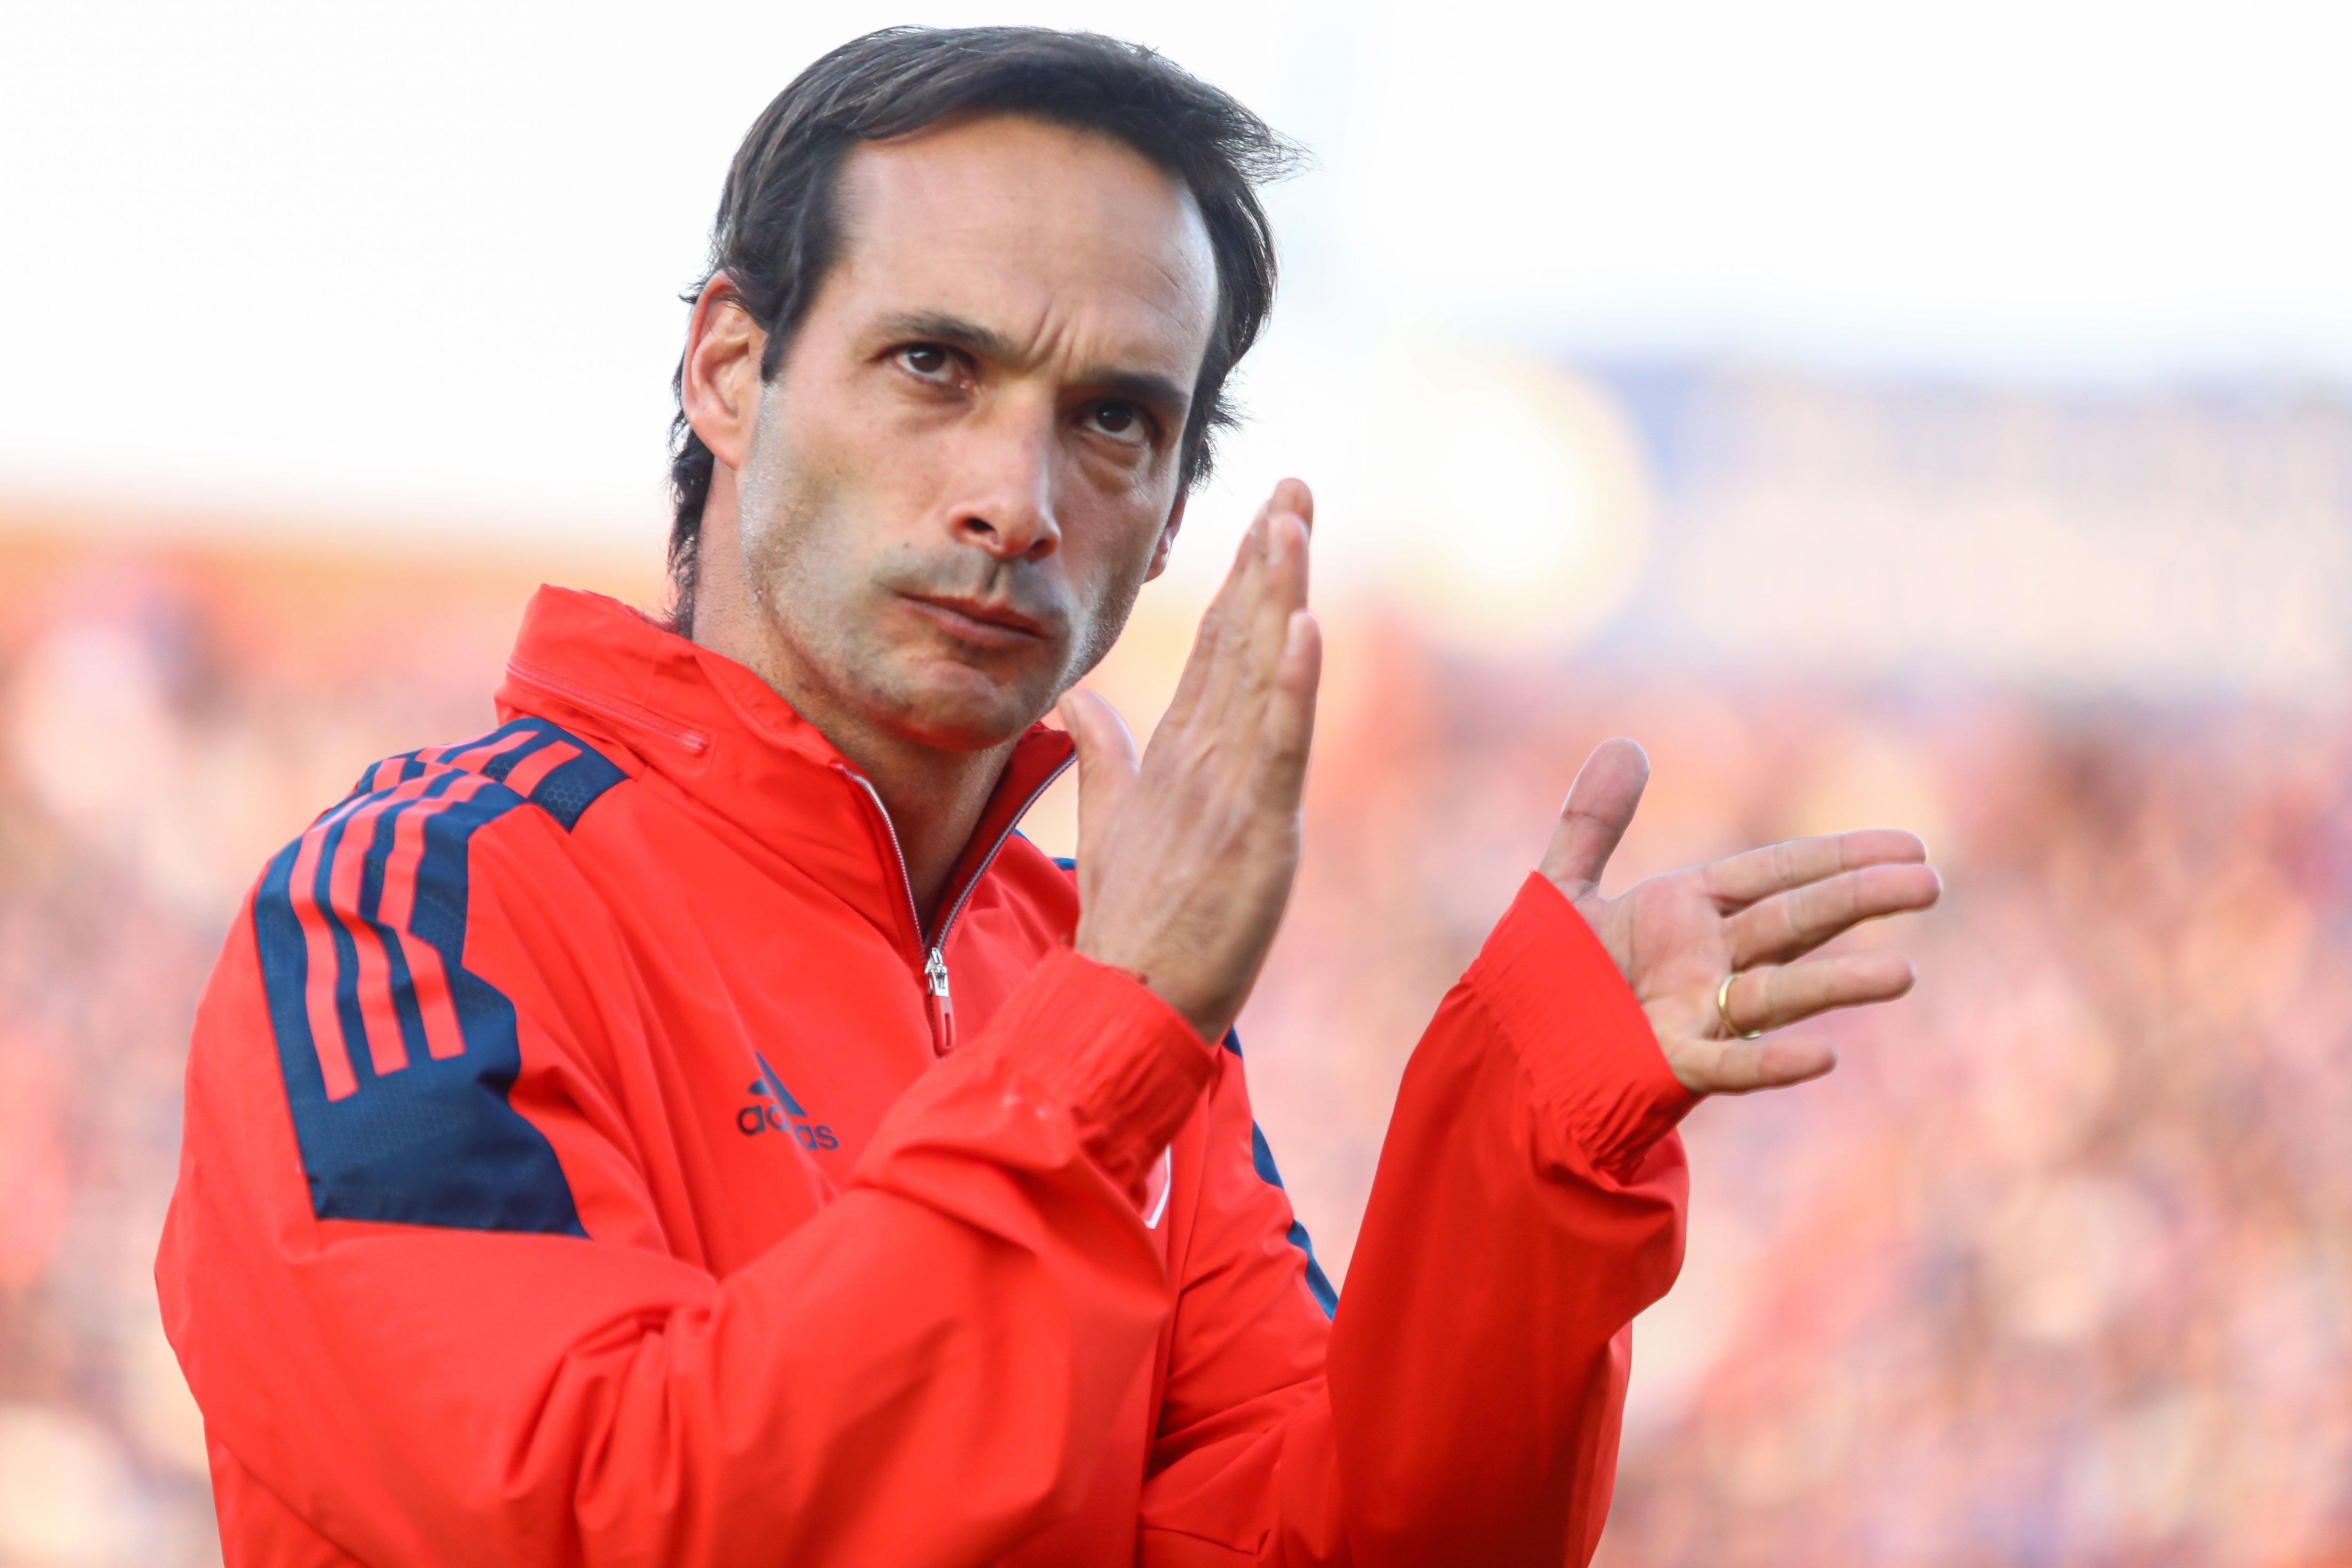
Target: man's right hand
(1186, 859)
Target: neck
(933, 796)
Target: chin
(966, 712)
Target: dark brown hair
(776, 228)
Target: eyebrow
(1149, 388)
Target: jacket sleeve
(1528, 1203)
(920, 1373)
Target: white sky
(422, 258)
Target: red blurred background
(2055, 1268)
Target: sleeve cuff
(1127, 1065)
(1583, 1038)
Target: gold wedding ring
(1722, 1010)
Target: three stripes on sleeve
(397, 1059)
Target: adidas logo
(773, 1108)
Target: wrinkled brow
(1152, 389)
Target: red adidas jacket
(587, 1160)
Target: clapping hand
(1716, 955)
(1186, 856)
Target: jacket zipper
(940, 1003)
(935, 982)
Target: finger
(1211, 639)
(1292, 496)
(1743, 1066)
(1107, 762)
(1762, 1000)
(1600, 806)
(1282, 594)
(1788, 925)
(1288, 732)
(1236, 631)
(1760, 873)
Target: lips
(979, 620)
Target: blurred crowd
(2056, 1267)
(167, 717)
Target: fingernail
(1277, 543)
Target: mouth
(978, 621)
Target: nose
(1009, 509)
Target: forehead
(1064, 239)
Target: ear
(1167, 537)
(719, 389)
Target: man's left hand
(1753, 917)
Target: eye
(930, 361)
(1120, 421)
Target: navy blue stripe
(347, 958)
(435, 1142)
(542, 735)
(404, 1003)
(1318, 1284)
(569, 790)
(285, 973)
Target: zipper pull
(935, 973)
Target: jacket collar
(723, 738)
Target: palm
(1668, 939)
(1757, 916)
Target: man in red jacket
(689, 1125)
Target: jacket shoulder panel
(397, 1059)
(537, 761)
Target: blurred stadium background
(1942, 421)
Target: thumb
(1600, 805)
(1107, 762)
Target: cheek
(1132, 540)
(1107, 568)
(798, 554)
